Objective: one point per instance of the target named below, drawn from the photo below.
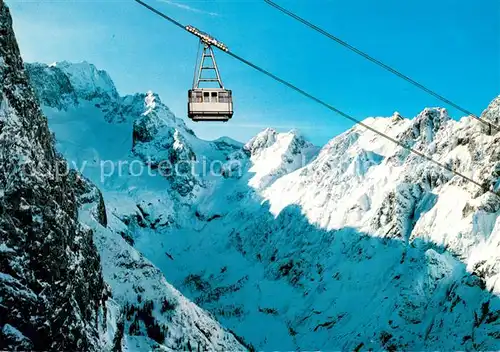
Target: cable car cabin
(210, 104)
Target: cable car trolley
(208, 103)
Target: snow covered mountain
(52, 294)
(358, 245)
(68, 279)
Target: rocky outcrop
(491, 114)
(50, 282)
(52, 87)
(87, 193)
(426, 124)
(159, 139)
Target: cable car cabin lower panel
(212, 104)
(209, 113)
(197, 117)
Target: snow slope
(355, 246)
(154, 315)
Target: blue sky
(452, 46)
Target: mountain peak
(275, 154)
(88, 81)
(492, 112)
(262, 140)
(426, 125)
(396, 116)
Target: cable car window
(206, 97)
(227, 96)
(223, 97)
(214, 97)
(198, 97)
(195, 97)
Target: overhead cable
(289, 13)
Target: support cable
(289, 13)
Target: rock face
(160, 140)
(51, 286)
(52, 86)
(426, 125)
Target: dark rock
(51, 284)
(87, 193)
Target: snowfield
(353, 246)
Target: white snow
(5, 249)
(358, 244)
(149, 102)
(135, 280)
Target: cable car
(208, 103)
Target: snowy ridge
(51, 289)
(304, 243)
(53, 87)
(276, 154)
(346, 160)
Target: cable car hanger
(205, 38)
(483, 187)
